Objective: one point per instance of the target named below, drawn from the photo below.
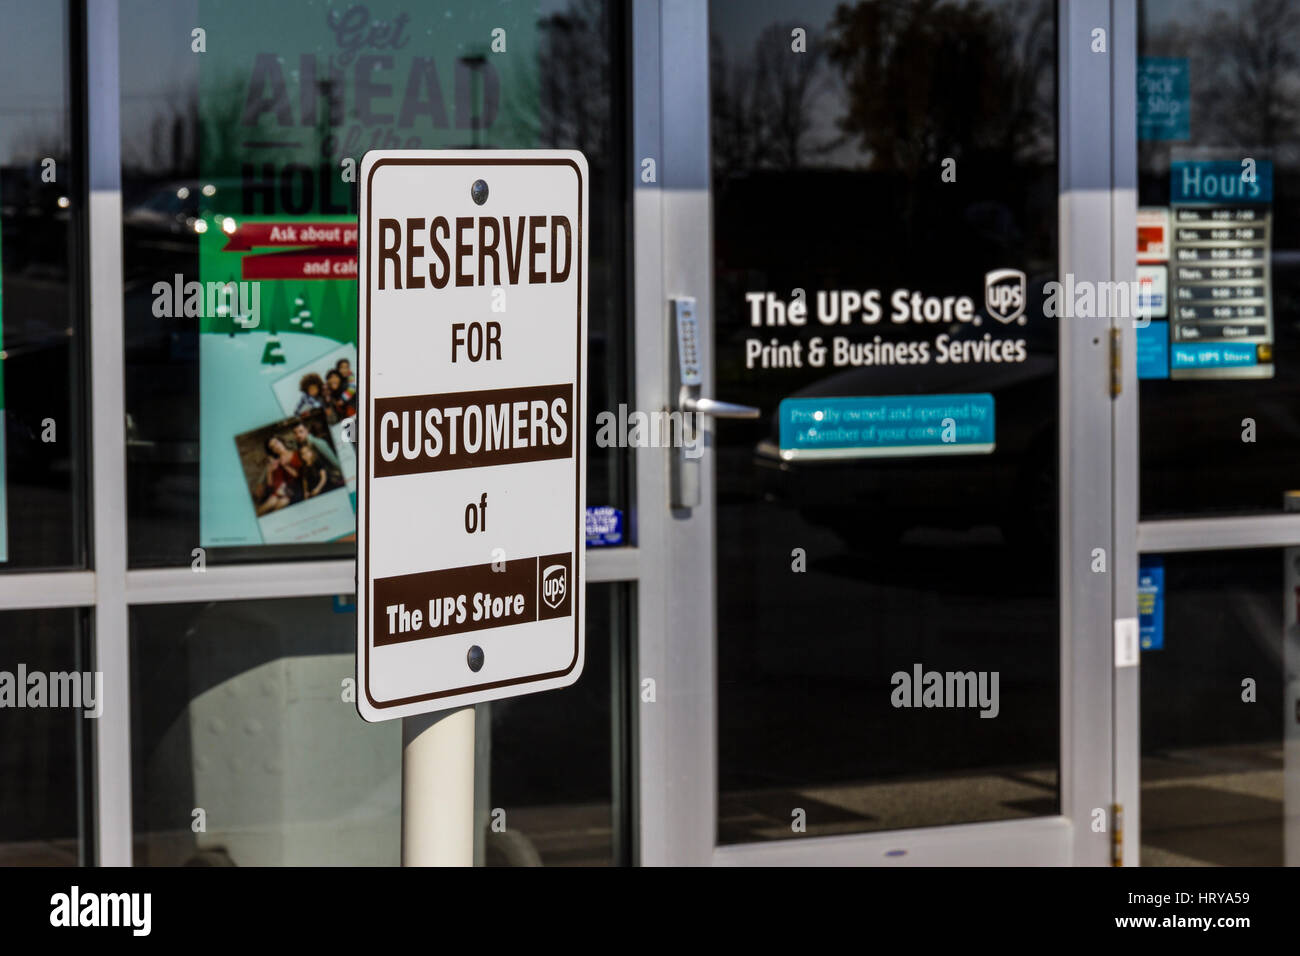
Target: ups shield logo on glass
(1004, 294)
(553, 582)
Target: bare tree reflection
(574, 69)
(764, 103)
(935, 79)
(1245, 70)
(893, 86)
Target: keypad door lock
(685, 484)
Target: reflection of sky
(33, 80)
(156, 59)
(1161, 14)
(737, 23)
(157, 62)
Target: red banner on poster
(301, 264)
(321, 235)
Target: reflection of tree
(221, 132)
(763, 104)
(162, 144)
(574, 68)
(933, 79)
(1245, 71)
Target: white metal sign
(472, 364)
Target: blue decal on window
(886, 426)
(1151, 602)
(604, 526)
(1153, 350)
(1220, 181)
(1164, 98)
(1220, 355)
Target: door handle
(710, 406)
(687, 378)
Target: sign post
(438, 788)
(472, 358)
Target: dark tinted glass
(558, 773)
(859, 549)
(42, 215)
(49, 703)
(1219, 711)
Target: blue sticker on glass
(1164, 104)
(345, 604)
(1220, 181)
(886, 426)
(1153, 350)
(1151, 603)
(1217, 355)
(604, 526)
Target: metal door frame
(676, 750)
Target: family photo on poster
(289, 462)
(300, 468)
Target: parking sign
(471, 359)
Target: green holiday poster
(291, 95)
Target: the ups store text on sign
(471, 354)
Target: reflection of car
(172, 209)
(165, 220)
(871, 500)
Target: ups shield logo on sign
(1004, 294)
(553, 583)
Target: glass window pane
(240, 711)
(49, 700)
(42, 464)
(238, 166)
(1219, 230)
(853, 566)
(1219, 711)
(559, 770)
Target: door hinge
(1117, 834)
(1116, 362)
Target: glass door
(1215, 725)
(887, 630)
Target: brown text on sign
(418, 434)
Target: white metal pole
(438, 788)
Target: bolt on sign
(472, 355)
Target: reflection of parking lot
(1213, 806)
(749, 815)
